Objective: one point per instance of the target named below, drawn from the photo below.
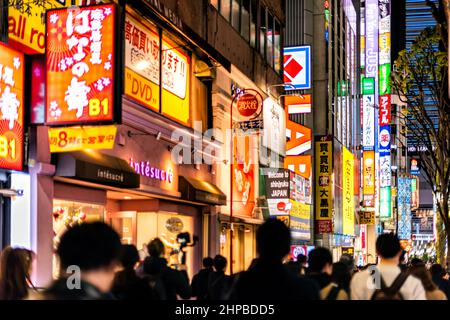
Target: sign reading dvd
(11, 108)
(297, 67)
(81, 65)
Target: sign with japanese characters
(385, 79)
(324, 184)
(367, 217)
(142, 71)
(274, 131)
(369, 178)
(348, 198)
(247, 106)
(384, 138)
(81, 138)
(81, 65)
(11, 108)
(176, 67)
(385, 110)
(297, 67)
(368, 86)
(26, 23)
(368, 122)
(277, 191)
(404, 208)
(300, 221)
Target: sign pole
(231, 188)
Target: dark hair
(301, 258)
(129, 256)
(388, 245)
(341, 275)
(208, 262)
(89, 246)
(273, 240)
(416, 262)
(437, 270)
(318, 258)
(155, 248)
(421, 273)
(15, 264)
(220, 263)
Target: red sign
(385, 110)
(11, 108)
(248, 103)
(324, 226)
(80, 65)
(37, 114)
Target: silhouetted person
(416, 262)
(15, 270)
(127, 285)
(166, 281)
(437, 273)
(432, 291)
(268, 278)
(299, 266)
(341, 276)
(200, 280)
(94, 250)
(218, 282)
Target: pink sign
(145, 169)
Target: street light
(280, 85)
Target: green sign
(343, 88)
(368, 86)
(385, 203)
(413, 185)
(385, 79)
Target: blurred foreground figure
(267, 278)
(89, 256)
(437, 274)
(200, 280)
(218, 282)
(15, 270)
(432, 291)
(386, 281)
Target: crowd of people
(96, 266)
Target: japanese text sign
(11, 108)
(324, 184)
(367, 217)
(369, 178)
(348, 200)
(80, 138)
(368, 122)
(385, 110)
(81, 65)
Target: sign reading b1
(297, 67)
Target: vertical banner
(404, 208)
(324, 184)
(371, 23)
(369, 178)
(348, 201)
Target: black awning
(201, 191)
(91, 166)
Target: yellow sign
(324, 184)
(367, 217)
(80, 138)
(26, 24)
(348, 199)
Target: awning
(98, 168)
(201, 191)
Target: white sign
(297, 67)
(369, 121)
(175, 69)
(274, 127)
(385, 171)
(279, 207)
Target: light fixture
(127, 197)
(158, 135)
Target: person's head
(208, 262)
(156, 248)
(129, 256)
(420, 271)
(388, 247)
(273, 240)
(320, 260)
(416, 262)
(220, 263)
(95, 249)
(437, 270)
(302, 259)
(340, 274)
(15, 269)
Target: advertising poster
(369, 178)
(274, 131)
(348, 203)
(12, 64)
(324, 184)
(277, 191)
(300, 221)
(80, 65)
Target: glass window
(270, 41)
(225, 8)
(277, 48)
(262, 30)
(253, 22)
(235, 10)
(245, 19)
(215, 3)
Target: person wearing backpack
(386, 281)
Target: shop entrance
(125, 225)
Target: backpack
(334, 292)
(392, 292)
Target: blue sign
(384, 140)
(404, 208)
(297, 67)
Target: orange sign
(81, 65)
(301, 165)
(298, 104)
(11, 108)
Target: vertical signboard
(81, 63)
(371, 43)
(369, 178)
(404, 208)
(348, 201)
(300, 213)
(12, 66)
(324, 184)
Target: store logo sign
(144, 168)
